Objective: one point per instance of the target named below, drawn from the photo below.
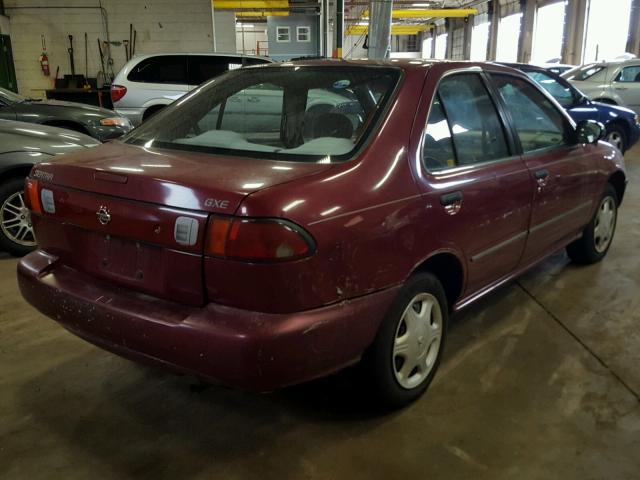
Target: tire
(16, 232)
(598, 234)
(617, 137)
(390, 365)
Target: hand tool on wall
(102, 74)
(86, 62)
(133, 47)
(72, 63)
(130, 39)
(126, 49)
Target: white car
(148, 83)
(616, 83)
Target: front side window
(478, 135)
(283, 34)
(538, 123)
(169, 69)
(562, 93)
(303, 34)
(284, 113)
(629, 74)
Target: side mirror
(589, 131)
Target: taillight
(257, 239)
(117, 92)
(32, 196)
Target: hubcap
(605, 224)
(15, 220)
(417, 341)
(615, 139)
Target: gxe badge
(103, 215)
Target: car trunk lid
(138, 217)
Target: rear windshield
(294, 113)
(583, 73)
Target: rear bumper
(238, 348)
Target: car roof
(206, 54)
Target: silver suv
(617, 83)
(148, 83)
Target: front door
(562, 179)
(626, 86)
(478, 192)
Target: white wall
(5, 28)
(162, 25)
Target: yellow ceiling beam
(256, 4)
(430, 13)
(395, 29)
(262, 13)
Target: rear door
(477, 189)
(560, 173)
(626, 86)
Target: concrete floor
(540, 380)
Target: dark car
(621, 124)
(99, 123)
(264, 257)
(22, 145)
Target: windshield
(8, 96)
(562, 93)
(583, 73)
(291, 113)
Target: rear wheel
(16, 232)
(616, 136)
(597, 236)
(406, 353)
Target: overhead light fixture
(420, 4)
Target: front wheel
(406, 353)
(598, 234)
(16, 232)
(617, 137)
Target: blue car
(621, 124)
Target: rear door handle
(452, 202)
(541, 174)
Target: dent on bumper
(235, 347)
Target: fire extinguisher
(44, 59)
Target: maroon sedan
(282, 222)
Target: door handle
(541, 174)
(452, 202)
(621, 88)
(253, 99)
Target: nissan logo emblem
(103, 215)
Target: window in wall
(508, 38)
(283, 34)
(607, 28)
(457, 44)
(303, 34)
(441, 46)
(479, 42)
(548, 32)
(427, 44)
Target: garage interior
(539, 379)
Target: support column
(339, 28)
(633, 39)
(494, 19)
(574, 32)
(380, 28)
(449, 27)
(525, 44)
(468, 30)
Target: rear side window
(478, 135)
(629, 74)
(168, 69)
(203, 68)
(437, 145)
(538, 123)
(561, 93)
